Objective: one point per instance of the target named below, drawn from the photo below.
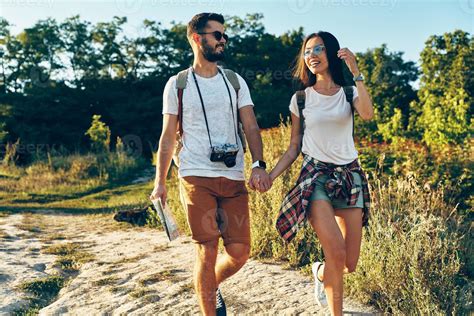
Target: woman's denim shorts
(319, 193)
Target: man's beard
(210, 52)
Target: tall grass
(74, 169)
(412, 254)
(416, 255)
(58, 177)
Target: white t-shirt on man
(328, 133)
(195, 153)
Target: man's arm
(164, 155)
(252, 132)
(254, 139)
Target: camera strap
(204, 110)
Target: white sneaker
(319, 293)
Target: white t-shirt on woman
(328, 133)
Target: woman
(334, 197)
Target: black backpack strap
(349, 92)
(301, 101)
(181, 81)
(234, 81)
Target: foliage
(99, 134)
(81, 69)
(445, 107)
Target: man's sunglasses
(316, 50)
(217, 35)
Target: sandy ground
(136, 271)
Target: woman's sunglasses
(316, 50)
(217, 35)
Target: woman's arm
(363, 103)
(292, 152)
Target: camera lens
(229, 161)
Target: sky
(358, 24)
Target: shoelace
(219, 299)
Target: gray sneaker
(220, 304)
(319, 293)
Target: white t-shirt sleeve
(244, 93)
(170, 97)
(294, 106)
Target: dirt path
(135, 271)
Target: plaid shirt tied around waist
(294, 208)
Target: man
(211, 170)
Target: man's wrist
(259, 164)
(160, 182)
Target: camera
(225, 153)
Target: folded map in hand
(167, 219)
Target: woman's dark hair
(199, 22)
(302, 73)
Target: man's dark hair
(199, 22)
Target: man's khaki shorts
(216, 207)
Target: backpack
(181, 82)
(301, 100)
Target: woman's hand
(350, 59)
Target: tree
(443, 114)
(4, 36)
(41, 46)
(111, 56)
(82, 57)
(388, 80)
(99, 134)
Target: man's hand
(159, 192)
(260, 180)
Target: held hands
(350, 59)
(260, 180)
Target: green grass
(112, 280)
(165, 275)
(106, 199)
(132, 259)
(41, 292)
(75, 183)
(185, 288)
(70, 256)
(140, 292)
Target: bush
(99, 134)
(411, 259)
